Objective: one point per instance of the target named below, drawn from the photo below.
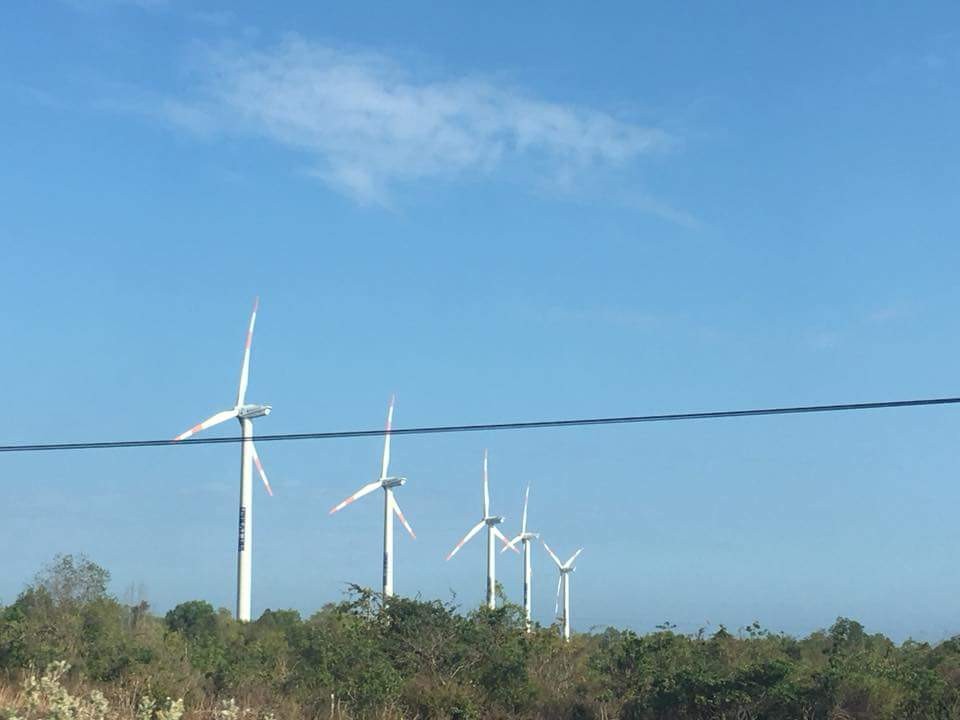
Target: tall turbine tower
(564, 582)
(390, 505)
(525, 537)
(248, 455)
(491, 521)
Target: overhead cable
(488, 427)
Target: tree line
(431, 659)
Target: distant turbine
(564, 582)
(390, 505)
(245, 414)
(525, 537)
(491, 521)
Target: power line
(528, 425)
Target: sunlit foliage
(431, 659)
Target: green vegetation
(70, 651)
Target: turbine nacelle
(248, 412)
(392, 482)
(492, 520)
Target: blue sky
(515, 212)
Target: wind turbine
(524, 537)
(491, 521)
(390, 505)
(245, 413)
(564, 582)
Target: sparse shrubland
(70, 651)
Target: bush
(359, 659)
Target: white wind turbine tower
(491, 521)
(525, 537)
(245, 413)
(390, 505)
(564, 582)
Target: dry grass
(51, 696)
(55, 695)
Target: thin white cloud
(647, 203)
(368, 125)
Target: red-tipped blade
(473, 531)
(385, 466)
(365, 490)
(503, 539)
(552, 554)
(263, 475)
(245, 368)
(403, 520)
(208, 423)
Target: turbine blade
(365, 490)
(552, 554)
(523, 522)
(473, 531)
(556, 606)
(572, 558)
(245, 368)
(510, 545)
(403, 520)
(263, 475)
(486, 487)
(503, 539)
(384, 468)
(208, 423)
